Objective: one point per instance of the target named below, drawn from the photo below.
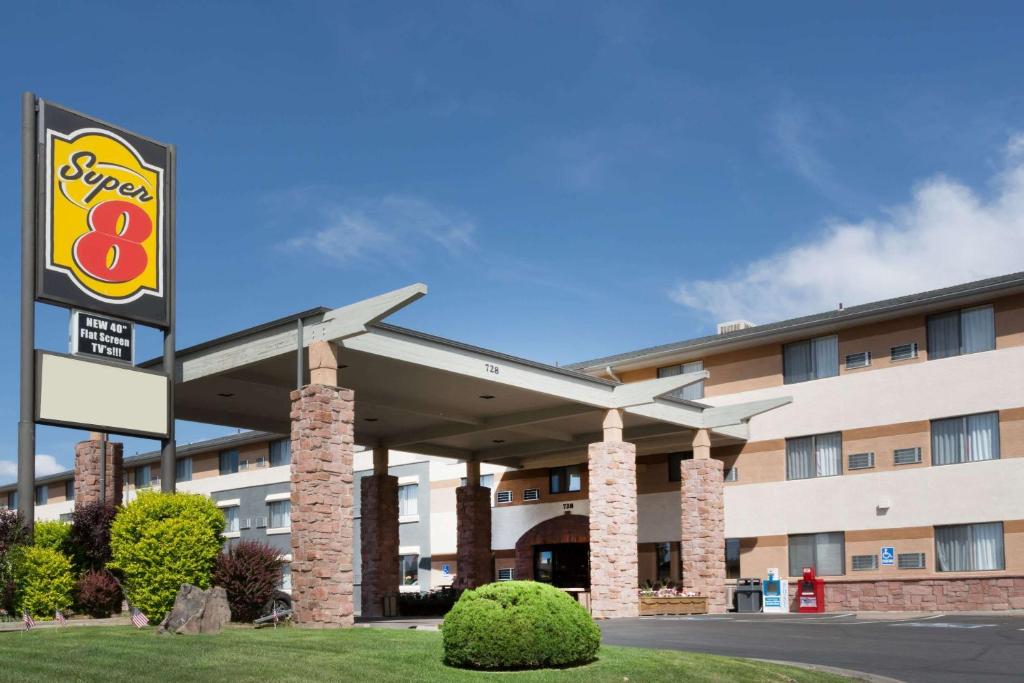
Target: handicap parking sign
(888, 556)
(446, 569)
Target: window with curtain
(410, 569)
(229, 461)
(675, 461)
(566, 479)
(486, 481)
(663, 562)
(280, 452)
(407, 500)
(968, 438)
(810, 359)
(825, 552)
(231, 519)
(820, 455)
(732, 558)
(691, 392)
(183, 469)
(286, 578)
(12, 500)
(69, 489)
(970, 330)
(42, 495)
(280, 514)
(142, 479)
(969, 547)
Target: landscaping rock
(197, 611)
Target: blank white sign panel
(121, 399)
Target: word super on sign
(102, 337)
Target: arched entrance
(556, 551)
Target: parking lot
(908, 647)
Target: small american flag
(138, 618)
(59, 616)
(27, 619)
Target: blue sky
(570, 179)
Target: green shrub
(162, 540)
(42, 581)
(52, 534)
(518, 625)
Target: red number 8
(130, 258)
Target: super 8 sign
(103, 202)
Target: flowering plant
(667, 591)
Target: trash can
(749, 595)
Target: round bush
(250, 573)
(98, 594)
(518, 625)
(90, 534)
(42, 581)
(52, 534)
(162, 540)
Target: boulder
(197, 611)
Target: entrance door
(565, 565)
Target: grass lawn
(290, 654)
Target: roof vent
(733, 326)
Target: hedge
(52, 534)
(518, 625)
(43, 581)
(250, 573)
(162, 540)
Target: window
(69, 489)
(861, 461)
(691, 392)
(66, 517)
(859, 563)
(812, 359)
(858, 360)
(505, 574)
(486, 480)
(229, 461)
(12, 500)
(566, 479)
(814, 456)
(409, 569)
(280, 514)
(675, 461)
(969, 547)
(42, 495)
(407, 500)
(903, 352)
(825, 552)
(183, 469)
(910, 561)
(231, 519)
(286, 577)
(663, 562)
(732, 558)
(280, 452)
(732, 473)
(965, 439)
(504, 497)
(142, 479)
(906, 456)
(970, 330)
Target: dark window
(566, 479)
(229, 462)
(811, 359)
(69, 489)
(675, 461)
(409, 567)
(142, 476)
(732, 558)
(12, 500)
(183, 469)
(42, 495)
(663, 559)
(825, 552)
(280, 452)
(970, 330)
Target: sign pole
(103, 468)
(167, 446)
(26, 418)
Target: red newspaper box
(810, 593)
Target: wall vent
(906, 456)
(903, 352)
(245, 523)
(734, 326)
(861, 563)
(531, 494)
(910, 561)
(858, 360)
(861, 461)
(503, 497)
(505, 574)
(261, 522)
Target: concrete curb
(849, 673)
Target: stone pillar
(474, 563)
(87, 471)
(378, 535)
(321, 494)
(614, 574)
(703, 526)
(702, 444)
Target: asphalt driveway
(933, 648)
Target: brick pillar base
(378, 541)
(87, 472)
(614, 575)
(703, 525)
(321, 495)
(474, 564)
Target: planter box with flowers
(671, 601)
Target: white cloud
(392, 228)
(946, 234)
(45, 466)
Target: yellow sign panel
(104, 215)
